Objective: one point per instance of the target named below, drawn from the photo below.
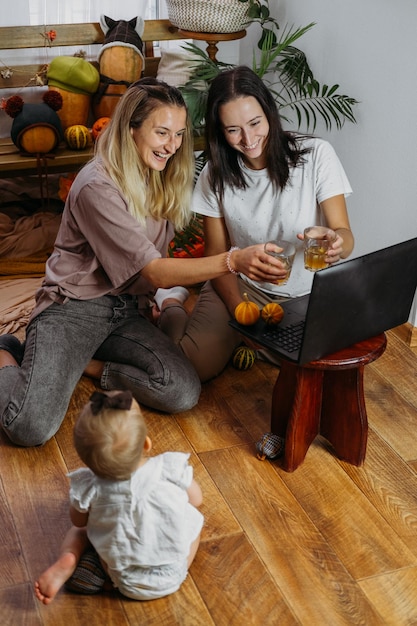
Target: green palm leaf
(286, 71)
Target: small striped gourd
(272, 313)
(77, 137)
(243, 358)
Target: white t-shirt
(259, 214)
(144, 523)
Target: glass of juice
(285, 252)
(317, 240)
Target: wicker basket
(208, 16)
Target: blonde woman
(110, 257)
(136, 525)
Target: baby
(135, 521)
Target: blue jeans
(61, 341)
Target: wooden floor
(326, 545)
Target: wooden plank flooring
(327, 545)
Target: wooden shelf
(12, 163)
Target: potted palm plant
(286, 71)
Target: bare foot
(52, 579)
(94, 369)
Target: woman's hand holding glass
(333, 251)
(258, 265)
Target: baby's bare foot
(52, 579)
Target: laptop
(349, 302)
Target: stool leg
(344, 421)
(296, 402)
(283, 398)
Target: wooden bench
(67, 35)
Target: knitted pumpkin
(272, 313)
(243, 358)
(77, 137)
(247, 312)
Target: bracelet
(229, 254)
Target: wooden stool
(324, 397)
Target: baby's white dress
(142, 528)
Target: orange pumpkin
(272, 313)
(75, 107)
(38, 139)
(247, 312)
(120, 63)
(77, 137)
(98, 126)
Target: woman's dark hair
(282, 148)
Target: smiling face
(160, 135)
(246, 129)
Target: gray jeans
(62, 340)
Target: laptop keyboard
(288, 338)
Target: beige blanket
(27, 236)
(25, 244)
(17, 299)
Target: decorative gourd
(75, 107)
(243, 358)
(76, 80)
(36, 128)
(39, 139)
(124, 65)
(121, 62)
(77, 137)
(98, 126)
(272, 313)
(247, 312)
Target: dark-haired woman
(261, 183)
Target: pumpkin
(121, 63)
(272, 313)
(38, 139)
(243, 358)
(75, 107)
(98, 126)
(247, 312)
(77, 137)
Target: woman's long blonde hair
(162, 194)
